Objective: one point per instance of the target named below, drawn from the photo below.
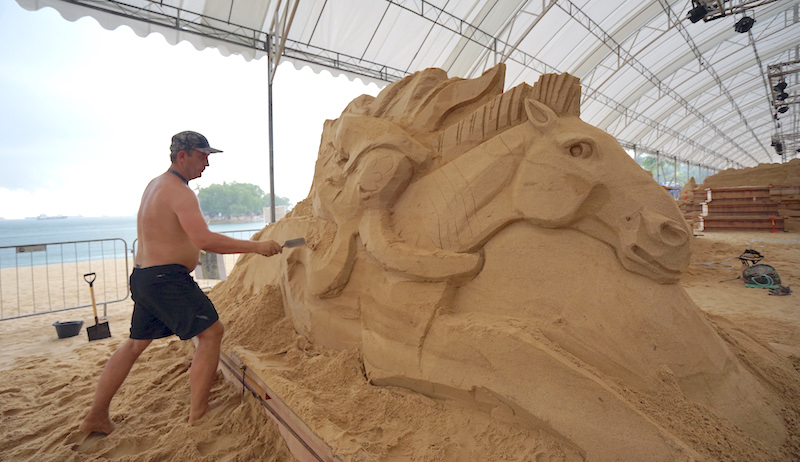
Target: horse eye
(581, 149)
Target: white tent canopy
(692, 92)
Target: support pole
(270, 72)
(658, 167)
(674, 171)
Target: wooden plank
(744, 207)
(303, 443)
(785, 191)
(743, 200)
(742, 224)
(733, 209)
(717, 194)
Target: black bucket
(68, 329)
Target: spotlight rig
(709, 10)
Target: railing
(47, 278)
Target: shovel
(97, 331)
(294, 243)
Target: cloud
(89, 113)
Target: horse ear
(541, 116)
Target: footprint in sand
(84, 441)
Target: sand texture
(46, 384)
(778, 174)
(486, 277)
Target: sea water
(76, 238)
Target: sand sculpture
(491, 247)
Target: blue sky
(87, 115)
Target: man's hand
(268, 248)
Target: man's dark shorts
(168, 301)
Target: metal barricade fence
(228, 260)
(46, 278)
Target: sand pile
(787, 174)
(46, 384)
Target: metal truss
(708, 68)
(626, 58)
(639, 149)
(176, 18)
(457, 25)
(346, 63)
(786, 74)
(717, 8)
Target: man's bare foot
(197, 417)
(84, 440)
(95, 424)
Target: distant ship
(45, 217)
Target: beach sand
(46, 383)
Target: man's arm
(187, 209)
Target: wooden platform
(743, 208)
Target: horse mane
(560, 92)
(428, 103)
(501, 113)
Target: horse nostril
(671, 234)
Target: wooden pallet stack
(745, 208)
(761, 198)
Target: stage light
(783, 109)
(698, 12)
(780, 87)
(744, 25)
(777, 144)
(782, 96)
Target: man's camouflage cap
(189, 140)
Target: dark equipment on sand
(758, 275)
(750, 257)
(97, 331)
(68, 329)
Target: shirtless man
(171, 232)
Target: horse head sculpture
(390, 168)
(415, 193)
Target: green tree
(235, 199)
(278, 200)
(663, 169)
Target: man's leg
(114, 373)
(204, 368)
